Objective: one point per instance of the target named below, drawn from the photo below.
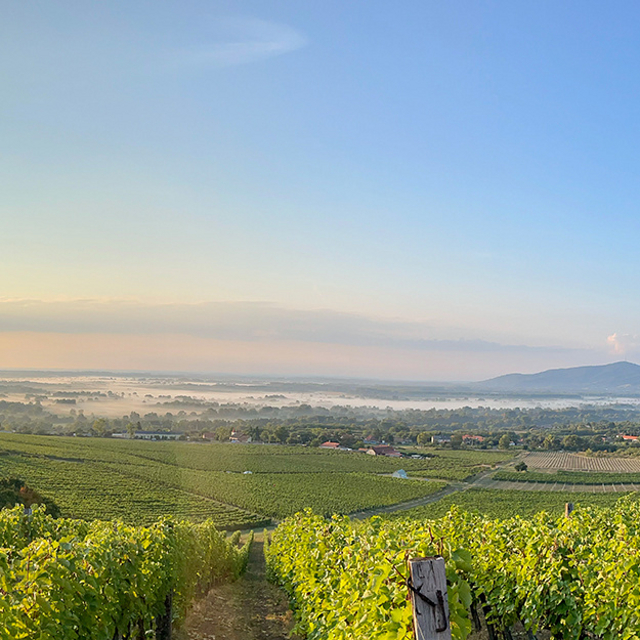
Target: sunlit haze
(416, 190)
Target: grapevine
(71, 579)
(577, 577)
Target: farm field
(491, 483)
(569, 477)
(215, 456)
(90, 490)
(505, 503)
(461, 464)
(279, 494)
(560, 460)
(142, 481)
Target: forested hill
(619, 377)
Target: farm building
(384, 450)
(238, 437)
(330, 445)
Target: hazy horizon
(258, 377)
(427, 192)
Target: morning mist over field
(360, 190)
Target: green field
(499, 503)
(569, 477)
(140, 481)
(460, 465)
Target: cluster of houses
(372, 447)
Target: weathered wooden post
(568, 508)
(428, 587)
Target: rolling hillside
(619, 377)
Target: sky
(416, 190)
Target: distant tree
(521, 466)
(424, 437)
(505, 441)
(305, 436)
(572, 442)
(223, 433)
(99, 428)
(281, 433)
(456, 441)
(347, 440)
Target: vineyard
(569, 477)
(281, 495)
(96, 580)
(139, 482)
(460, 465)
(574, 462)
(255, 458)
(576, 577)
(507, 564)
(91, 490)
(505, 503)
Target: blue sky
(415, 190)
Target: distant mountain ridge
(618, 377)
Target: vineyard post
(568, 508)
(428, 589)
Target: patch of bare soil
(249, 609)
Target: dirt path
(452, 487)
(403, 506)
(252, 608)
(249, 609)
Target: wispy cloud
(245, 321)
(623, 343)
(242, 41)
